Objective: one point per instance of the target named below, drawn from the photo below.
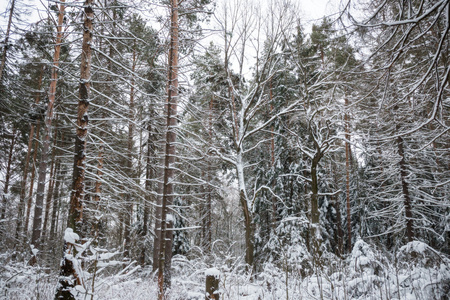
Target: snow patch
(34, 250)
(414, 246)
(70, 236)
(212, 272)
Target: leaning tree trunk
(37, 220)
(68, 276)
(165, 250)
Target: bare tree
(247, 101)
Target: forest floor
(420, 272)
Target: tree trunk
(248, 219)
(21, 206)
(37, 220)
(6, 187)
(157, 240)
(6, 41)
(337, 206)
(212, 285)
(315, 234)
(33, 176)
(165, 251)
(98, 191)
(347, 179)
(68, 276)
(147, 200)
(208, 204)
(405, 190)
(55, 206)
(129, 204)
(272, 160)
(51, 185)
(249, 246)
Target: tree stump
(212, 284)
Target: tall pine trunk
(129, 202)
(56, 192)
(165, 248)
(51, 186)
(37, 220)
(68, 276)
(207, 210)
(6, 187)
(21, 206)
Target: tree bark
(6, 186)
(249, 246)
(212, 287)
(129, 204)
(337, 206)
(68, 276)
(55, 204)
(33, 176)
(207, 212)
(21, 206)
(51, 186)
(315, 234)
(148, 187)
(347, 179)
(165, 251)
(37, 221)
(272, 160)
(405, 190)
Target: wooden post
(212, 284)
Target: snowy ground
(420, 273)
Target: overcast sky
(316, 9)
(310, 9)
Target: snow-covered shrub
(423, 272)
(365, 258)
(366, 270)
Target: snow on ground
(419, 273)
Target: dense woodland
(146, 144)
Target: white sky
(310, 9)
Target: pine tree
(69, 276)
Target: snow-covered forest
(212, 149)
